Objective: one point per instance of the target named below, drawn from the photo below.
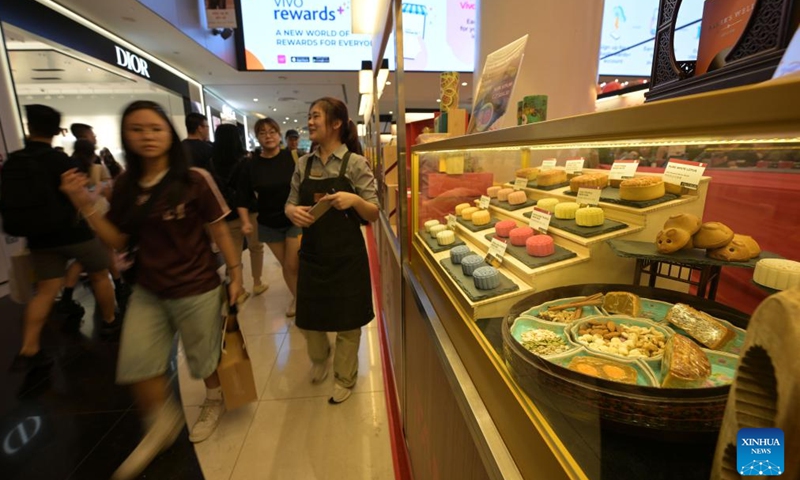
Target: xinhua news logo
(759, 451)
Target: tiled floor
(292, 432)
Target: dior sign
(132, 62)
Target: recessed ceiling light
(464, 84)
(390, 112)
(284, 123)
(438, 100)
(287, 118)
(295, 120)
(274, 109)
(388, 82)
(255, 99)
(88, 69)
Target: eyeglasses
(269, 133)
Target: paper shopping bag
(235, 370)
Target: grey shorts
(151, 324)
(277, 235)
(50, 263)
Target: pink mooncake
(503, 193)
(540, 246)
(517, 198)
(520, 235)
(503, 229)
(492, 191)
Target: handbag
(137, 222)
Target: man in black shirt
(197, 146)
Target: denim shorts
(149, 329)
(276, 235)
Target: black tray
(691, 257)
(477, 228)
(507, 206)
(434, 245)
(467, 284)
(585, 232)
(534, 262)
(533, 184)
(611, 195)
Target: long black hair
(227, 151)
(178, 176)
(83, 153)
(334, 110)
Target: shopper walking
(334, 293)
(293, 144)
(229, 160)
(198, 148)
(168, 211)
(33, 207)
(266, 182)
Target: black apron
(334, 293)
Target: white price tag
(623, 169)
(520, 183)
(540, 220)
(548, 164)
(589, 196)
(484, 203)
(684, 173)
(574, 166)
(451, 222)
(497, 249)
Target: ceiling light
(295, 120)
(390, 112)
(287, 118)
(388, 82)
(274, 109)
(284, 123)
(255, 99)
(383, 75)
(438, 100)
(88, 69)
(463, 84)
(365, 77)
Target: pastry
(445, 237)
(615, 182)
(590, 217)
(529, 173)
(486, 278)
(671, 240)
(503, 194)
(548, 204)
(566, 210)
(741, 249)
(520, 235)
(429, 224)
(641, 189)
(540, 246)
(454, 165)
(712, 235)
(436, 229)
(675, 189)
(470, 263)
(466, 214)
(700, 326)
(604, 368)
(624, 303)
(461, 206)
(492, 191)
(684, 221)
(588, 180)
(458, 253)
(503, 229)
(517, 198)
(481, 217)
(777, 273)
(551, 177)
(685, 364)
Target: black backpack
(29, 202)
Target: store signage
(451, 222)
(548, 164)
(19, 436)
(132, 62)
(496, 250)
(574, 167)
(589, 196)
(520, 183)
(540, 220)
(684, 173)
(484, 202)
(623, 169)
(790, 63)
(227, 114)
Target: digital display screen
(439, 35)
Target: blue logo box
(759, 451)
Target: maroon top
(175, 258)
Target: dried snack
(620, 339)
(700, 326)
(543, 342)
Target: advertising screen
(439, 35)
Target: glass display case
(536, 254)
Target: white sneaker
(159, 437)
(340, 394)
(207, 422)
(319, 372)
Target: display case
(557, 420)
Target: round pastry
(429, 224)
(588, 180)
(481, 217)
(458, 253)
(540, 246)
(777, 273)
(641, 189)
(445, 237)
(590, 217)
(566, 210)
(470, 263)
(503, 193)
(517, 198)
(436, 229)
(551, 177)
(486, 278)
(712, 235)
(670, 240)
(675, 189)
(548, 204)
(461, 206)
(684, 221)
(492, 191)
(741, 249)
(503, 229)
(520, 235)
(466, 214)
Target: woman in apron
(334, 293)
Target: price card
(623, 169)
(684, 173)
(540, 220)
(484, 202)
(548, 164)
(589, 196)
(451, 222)
(574, 166)
(520, 183)
(496, 251)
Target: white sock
(214, 393)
